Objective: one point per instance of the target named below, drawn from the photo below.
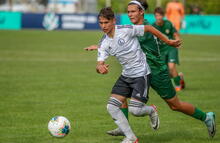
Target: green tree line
(191, 6)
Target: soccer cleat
(210, 123)
(182, 82)
(154, 119)
(178, 88)
(115, 132)
(127, 140)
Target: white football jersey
(126, 48)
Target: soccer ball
(59, 126)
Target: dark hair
(107, 13)
(159, 10)
(143, 3)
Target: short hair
(143, 3)
(107, 13)
(159, 10)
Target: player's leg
(124, 108)
(117, 131)
(117, 115)
(162, 84)
(120, 87)
(174, 75)
(139, 98)
(188, 109)
(173, 60)
(120, 92)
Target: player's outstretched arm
(176, 36)
(91, 48)
(158, 34)
(101, 67)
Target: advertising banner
(10, 20)
(52, 21)
(192, 24)
(31, 20)
(201, 24)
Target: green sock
(125, 111)
(199, 115)
(177, 80)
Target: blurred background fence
(202, 16)
(92, 6)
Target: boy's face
(106, 25)
(134, 13)
(159, 17)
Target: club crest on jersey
(167, 31)
(121, 42)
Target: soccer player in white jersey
(121, 42)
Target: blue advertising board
(31, 20)
(51, 21)
(10, 20)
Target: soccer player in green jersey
(160, 79)
(169, 54)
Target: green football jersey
(149, 45)
(168, 29)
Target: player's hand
(174, 43)
(91, 48)
(102, 69)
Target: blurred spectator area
(42, 6)
(93, 6)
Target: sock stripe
(136, 104)
(114, 102)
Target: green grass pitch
(44, 74)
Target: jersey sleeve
(138, 30)
(132, 30)
(103, 54)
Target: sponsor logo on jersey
(167, 31)
(121, 42)
(172, 60)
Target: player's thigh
(140, 87)
(173, 55)
(119, 97)
(162, 84)
(121, 88)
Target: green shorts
(170, 55)
(162, 84)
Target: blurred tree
(2, 2)
(208, 6)
(43, 2)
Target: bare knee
(174, 103)
(175, 107)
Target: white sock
(139, 109)
(119, 118)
